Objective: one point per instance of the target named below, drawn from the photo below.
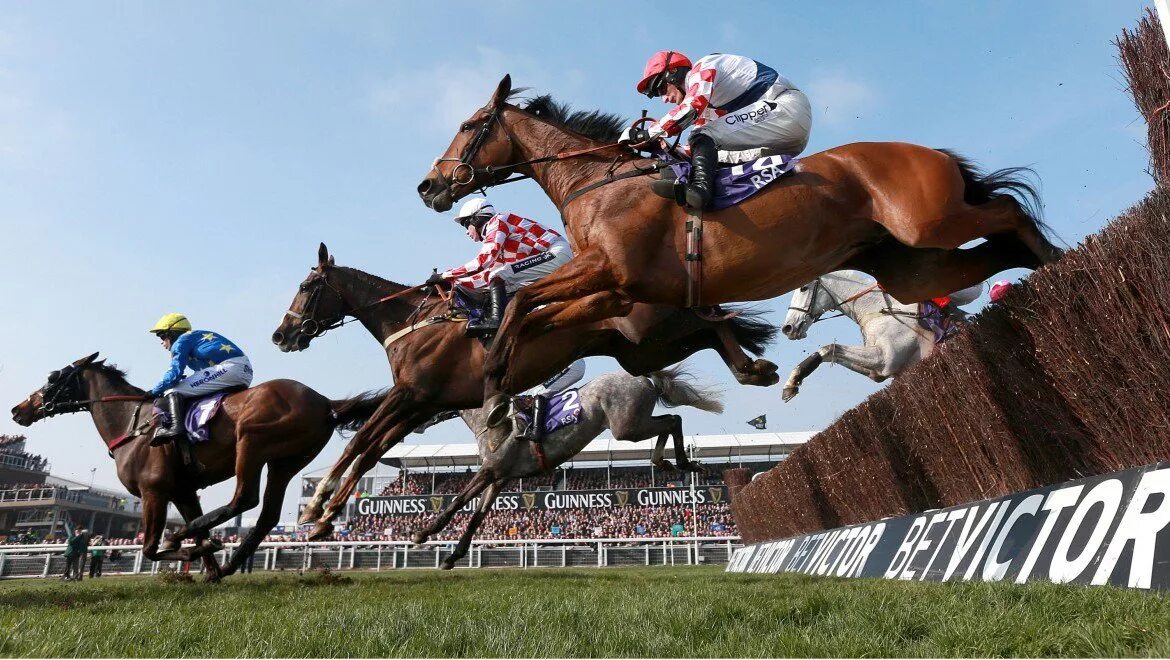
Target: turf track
(572, 613)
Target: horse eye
(804, 288)
(304, 286)
(467, 126)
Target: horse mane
(369, 279)
(592, 124)
(110, 370)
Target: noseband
(63, 393)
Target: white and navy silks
(560, 381)
(748, 109)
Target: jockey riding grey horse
(617, 401)
(892, 339)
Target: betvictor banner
(549, 499)
(1108, 529)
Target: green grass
(573, 613)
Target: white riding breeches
(232, 372)
(778, 124)
(528, 270)
(561, 380)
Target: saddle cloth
(738, 182)
(200, 412)
(936, 318)
(564, 409)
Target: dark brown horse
(280, 424)
(437, 369)
(897, 211)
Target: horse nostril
(278, 338)
(787, 329)
(424, 187)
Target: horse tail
(350, 414)
(676, 387)
(751, 331)
(981, 187)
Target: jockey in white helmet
(739, 110)
(515, 252)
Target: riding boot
(535, 430)
(490, 322)
(174, 405)
(704, 161)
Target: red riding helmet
(659, 63)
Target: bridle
(312, 326)
(466, 173)
(817, 285)
(62, 394)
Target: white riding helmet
(475, 207)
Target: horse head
(316, 307)
(808, 303)
(62, 392)
(469, 163)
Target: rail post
(564, 553)
(48, 558)
(138, 562)
(340, 556)
(535, 556)
(3, 555)
(599, 564)
(378, 563)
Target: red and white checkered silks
(713, 81)
(507, 238)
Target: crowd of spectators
(609, 522)
(13, 446)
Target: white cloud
(837, 98)
(439, 97)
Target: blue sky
(173, 157)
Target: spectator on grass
(96, 558)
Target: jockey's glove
(634, 135)
(434, 279)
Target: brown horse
(436, 368)
(281, 424)
(897, 211)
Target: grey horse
(892, 339)
(617, 401)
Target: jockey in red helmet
(738, 110)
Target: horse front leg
(577, 281)
(480, 481)
(485, 507)
(596, 307)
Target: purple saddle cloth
(564, 409)
(738, 182)
(938, 321)
(197, 421)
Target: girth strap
(446, 318)
(629, 174)
(694, 257)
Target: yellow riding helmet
(172, 321)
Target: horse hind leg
(478, 483)
(1000, 218)
(912, 275)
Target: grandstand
(610, 490)
(37, 506)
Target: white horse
(892, 339)
(616, 401)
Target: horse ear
(331, 262)
(86, 360)
(503, 90)
(322, 255)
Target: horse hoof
(764, 367)
(694, 467)
(167, 545)
(321, 531)
(309, 515)
(213, 544)
(499, 410)
(788, 393)
(446, 565)
(419, 538)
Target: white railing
(44, 560)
